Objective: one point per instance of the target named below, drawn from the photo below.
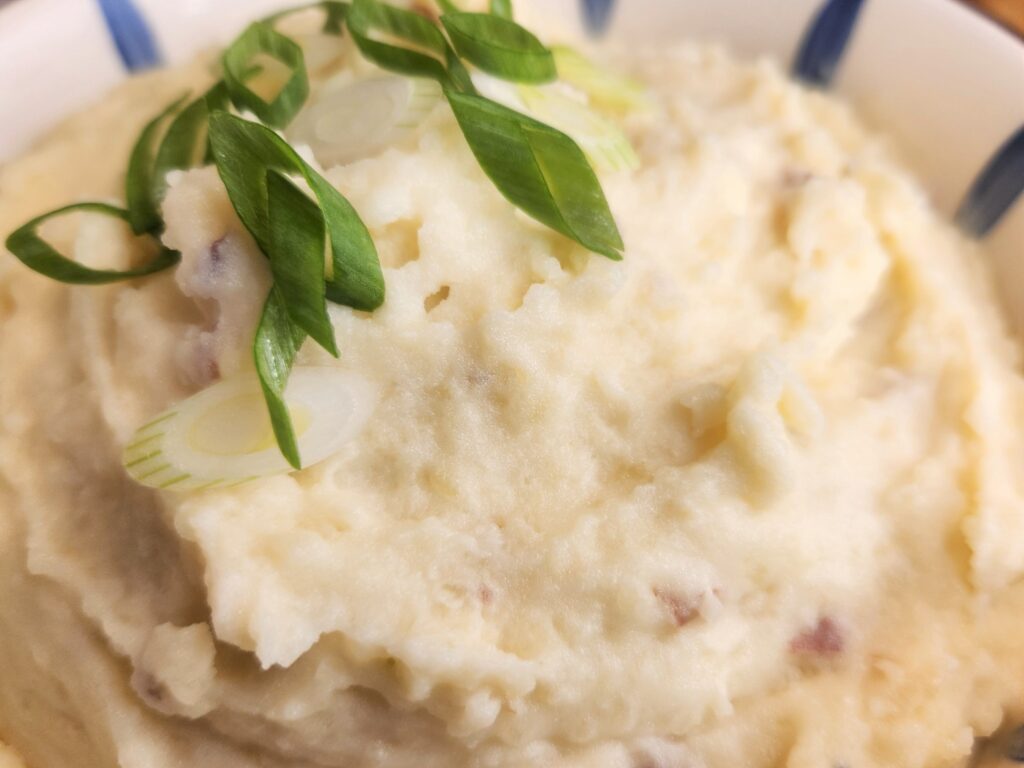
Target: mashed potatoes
(750, 497)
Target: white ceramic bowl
(944, 81)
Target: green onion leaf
(367, 17)
(334, 23)
(36, 254)
(356, 278)
(252, 160)
(243, 152)
(278, 340)
(140, 194)
(334, 15)
(606, 146)
(447, 6)
(297, 257)
(501, 47)
(186, 143)
(502, 8)
(540, 170)
(263, 39)
(458, 75)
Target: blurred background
(1010, 12)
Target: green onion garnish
(605, 145)
(502, 8)
(221, 437)
(290, 230)
(239, 60)
(296, 252)
(367, 17)
(606, 89)
(540, 170)
(35, 253)
(334, 15)
(530, 149)
(278, 339)
(501, 47)
(244, 151)
(140, 187)
(186, 143)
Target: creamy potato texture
(750, 497)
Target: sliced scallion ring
(605, 89)
(605, 145)
(359, 119)
(222, 435)
(602, 141)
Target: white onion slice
(222, 436)
(354, 120)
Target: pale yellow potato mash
(751, 497)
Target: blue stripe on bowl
(597, 14)
(131, 34)
(825, 41)
(996, 189)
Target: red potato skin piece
(825, 639)
(682, 608)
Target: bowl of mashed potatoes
(448, 387)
